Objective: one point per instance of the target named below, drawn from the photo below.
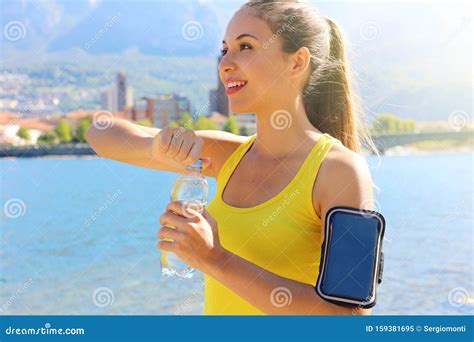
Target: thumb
(206, 162)
(204, 215)
(209, 219)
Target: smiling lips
(234, 86)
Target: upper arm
(151, 131)
(218, 145)
(344, 180)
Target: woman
(259, 240)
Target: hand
(178, 146)
(195, 237)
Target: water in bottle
(192, 190)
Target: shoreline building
(161, 109)
(117, 97)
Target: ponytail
(329, 101)
(327, 94)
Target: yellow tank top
(281, 235)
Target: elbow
(89, 136)
(319, 306)
(361, 312)
(92, 137)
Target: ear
(300, 62)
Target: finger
(169, 233)
(194, 153)
(176, 141)
(166, 246)
(174, 219)
(184, 151)
(205, 214)
(166, 137)
(186, 147)
(177, 207)
(194, 213)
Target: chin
(240, 108)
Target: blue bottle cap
(197, 164)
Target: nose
(226, 64)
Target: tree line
(65, 132)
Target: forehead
(244, 21)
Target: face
(253, 58)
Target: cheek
(262, 74)
(270, 66)
(269, 82)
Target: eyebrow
(242, 36)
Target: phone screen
(349, 271)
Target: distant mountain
(177, 28)
(33, 25)
(159, 28)
(410, 58)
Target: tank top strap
(306, 177)
(316, 156)
(233, 160)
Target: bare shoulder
(343, 180)
(218, 145)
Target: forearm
(121, 140)
(269, 292)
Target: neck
(282, 132)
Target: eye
(243, 45)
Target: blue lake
(78, 236)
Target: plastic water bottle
(192, 190)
